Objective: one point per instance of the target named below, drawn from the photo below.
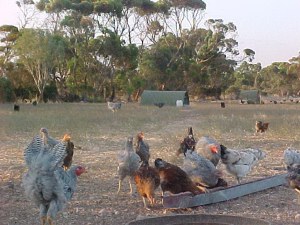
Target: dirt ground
(96, 201)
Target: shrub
(6, 90)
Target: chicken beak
(214, 149)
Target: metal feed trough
(200, 219)
(187, 200)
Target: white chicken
(291, 157)
(128, 163)
(209, 148)
(201, 170)
(240, 162)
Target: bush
(6, 90)
(50, 92)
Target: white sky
(269, 27)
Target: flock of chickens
(199, 172)
(51, 180)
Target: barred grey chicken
(209, 148)
(46, 183)
(128, 163)
(142, 148)
(114, 106)
(48, 140)
(291, 157)
(240, 162)
(201, 170)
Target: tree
(9, 35)
(43, 55)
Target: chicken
(209, 148)
(70, 152)
(128, 163)
(48, 140)
(188, 143)
(114, 106)
(147, 181)
(142, 148)
(240, 162)
(202, 171)
(293, 177)
(159, 104)
(261, 127)
(46, 183)
(291, 157)
(174, 179)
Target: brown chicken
(293, 177)
(174, 179)
(70, 151)
(147, 181)
(261, 127)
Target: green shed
(251, 96)
(167, 97)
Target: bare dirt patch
(98, 140)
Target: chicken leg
(43, 220)
(120, 184)
(50, 221)
(130, 186)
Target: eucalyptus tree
(9, 35)
(246, 75)
(43, 56)
(278, 79)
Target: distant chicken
(293, 177)
(128, 163)
(240, 162)
(188, 143)
(159, 104)
(147, 181)
(70, 152)
(291, 157)
(142, 148)
(202, 171)
(114, 106)
(174, 179)
(209, 148)
(261, 127)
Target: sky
(269, 27)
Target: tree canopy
(88, 49)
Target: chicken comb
(66, 137)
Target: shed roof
(250, 95)
(167, 97)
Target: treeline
(92, 50)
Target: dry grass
(101, 133)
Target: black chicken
(142, 148)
